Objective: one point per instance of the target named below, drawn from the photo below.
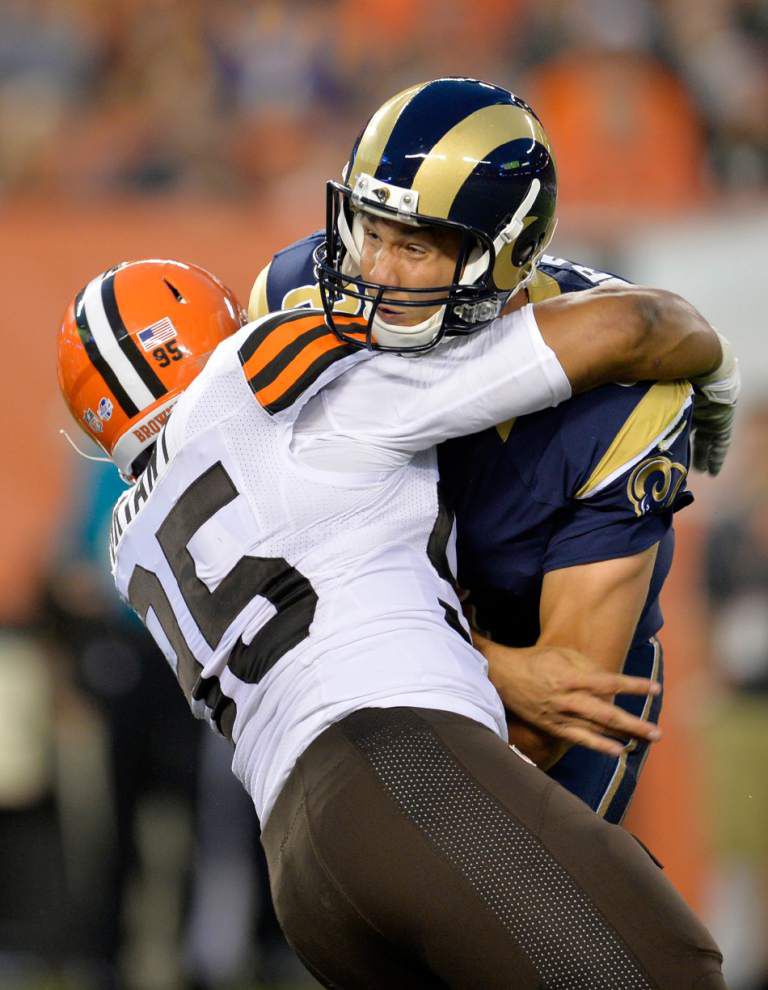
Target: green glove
(714, 406)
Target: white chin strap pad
(392, 335)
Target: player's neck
(517, 301)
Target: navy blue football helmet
(454, 153)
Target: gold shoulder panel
(505, 428)
(257, 303)
(652, 418)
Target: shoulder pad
(555, 276)
(288, 281)
(284, 356)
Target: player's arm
(619, 332)
(537, 356)
(627, 333)
(561, 690)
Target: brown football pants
(412, 848)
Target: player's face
(408, 258)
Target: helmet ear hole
(175, 292)
(522, 257)
(527, 244)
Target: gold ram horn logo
(655, 482)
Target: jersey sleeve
(622, 502)
(394, 406)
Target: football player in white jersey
(552, 547)
(286, 547)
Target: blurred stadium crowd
(128, 853)
(229, 96)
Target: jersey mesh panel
(565, 937)
(223, 394)
(320, 520)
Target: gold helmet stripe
(379, 131)
(456, 155)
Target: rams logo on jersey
(655, 483)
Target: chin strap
(390, 334)
(351, 239)
(82, 453)
(508, 235)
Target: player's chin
(544, 750)
(403, 318)
(395, 317)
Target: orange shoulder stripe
(293, 372)
(277, 341)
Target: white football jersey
(286, 546)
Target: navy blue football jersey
(596, 478)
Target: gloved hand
(714, 406)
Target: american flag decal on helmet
(157, 334)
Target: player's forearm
(673, 340)
(627, 333)
(595, 608)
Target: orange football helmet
(130, 343)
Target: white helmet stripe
(109, 348)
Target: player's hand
(714, 406)
(564, 695)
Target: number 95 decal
(164, 355)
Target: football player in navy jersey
(564, 517)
